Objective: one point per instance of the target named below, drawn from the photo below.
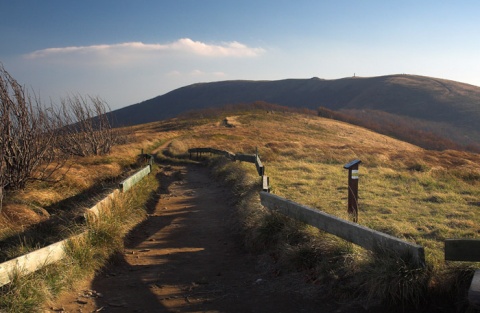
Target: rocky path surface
(184, 258)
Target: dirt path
(184, 258)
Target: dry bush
(27, 143)
(177, 148)
(84, 127)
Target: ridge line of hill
(444, 107)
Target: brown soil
(185, 258)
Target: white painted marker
(354, 174)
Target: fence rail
(35, 260)
(360, 235)
(466, 250)
(132, 180)
(251, 158)
(462, 250)
(200, 151)
(32, 261)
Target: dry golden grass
(15, 217)
(415, 194)
(411, 193)
(418, 195)
(80, 176)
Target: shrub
(84, 127)
(28, 137)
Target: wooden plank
(251, 158)
(462, 250)
(35, 260)
(198, 150)
(212, 151)
(216, 151)
(360, 235)
(474, 290)
(223, 152)
(32, 261)
(259, 165)
(265, 183)
(135, 178)
(94, 212)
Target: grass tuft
(177, 148)
(23, 294)
(391, 280)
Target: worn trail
(184, 258)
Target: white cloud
(127, 72)
(194, 73)
(229, 49)
(219, 74)
(130, 50)
(174, 73)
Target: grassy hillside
(419, 195)
(415, 194)
(444, 107)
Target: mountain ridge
(455, 105)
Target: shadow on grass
(66, 218)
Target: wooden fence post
(265, 183)
(352, 168)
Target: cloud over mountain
(132, 49)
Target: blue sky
(130, 51)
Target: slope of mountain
(452, 105)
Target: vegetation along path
(184, 258)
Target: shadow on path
(184, 258)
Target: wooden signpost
(352, 168)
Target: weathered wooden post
(352, 168)
(150, 161)
(265, 183)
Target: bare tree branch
(28, 136)
(89, 131)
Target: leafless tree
(27, 141)
(3, 181)
(88, 130)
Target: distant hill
(439, 105)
